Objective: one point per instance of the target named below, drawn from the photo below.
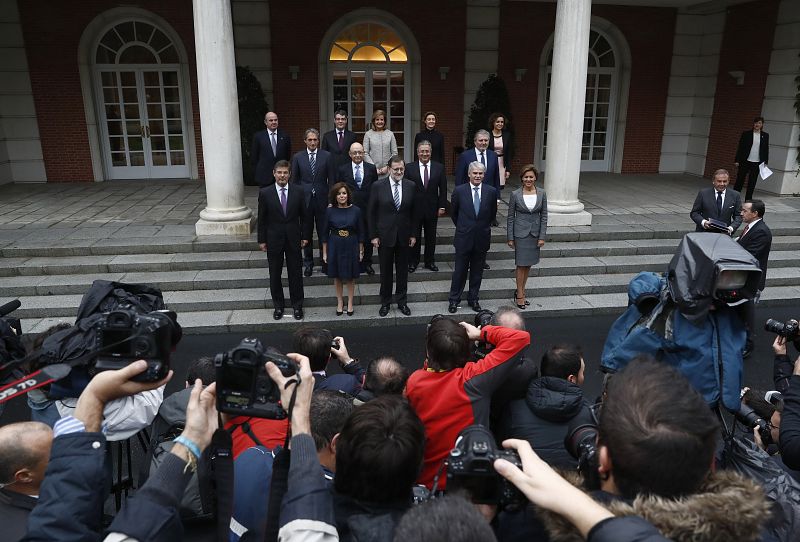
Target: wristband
(189, 445)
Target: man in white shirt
(753, 150)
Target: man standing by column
(753, 150)
(393, 217)
(269, 146)
(756, 239)
(473, 208)
(360, 176)
(313, 170)
(283, 229)
(432, 185)
(338, 141)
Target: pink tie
(745, 231)
(283, 200)
(425, 177)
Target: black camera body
(789, 329)
(243, 386)
(750, 419)
(124, 336)
(470, 467)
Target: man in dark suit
(473, 208)
(314, 171)
(392, 217)
(756, 239)
(753, 149)
(718, 202)
(338, 141)
(360, 176)
(432, 184)
(283, 229)
(480, 153)
(269, 146)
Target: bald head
(510, 317)
(24, 454)
(357, 153)
(385, 376)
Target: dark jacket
(436, 139)
(330, 143)
(14, 511)
(369, 176)
(758, 242)
(705, 206)
(746, 142)
(543, 418)
(262, 158)
(789, 439)
(508, 147)
(359, 521)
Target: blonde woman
(526, 228)
(379, 143)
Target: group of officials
(394, 212)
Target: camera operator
(384, 376)
(450, 393)
(319, 345)
(789, 386)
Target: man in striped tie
(393, 218)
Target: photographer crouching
(787, 381)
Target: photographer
(319, 345)
(450, 393)
(384, 376)
(789, 437)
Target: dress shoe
(475, 306)
(324, 269)
(432, 267)
(412, 268)
(277, 314)
(495, 223)
(486, 266)
(452, 308)
(370, 270)
(404, 309)
(307, 271)
(298, 314)
(384, 310)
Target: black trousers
(396, 256)
(294, 270)
(747, 169)
(367, 259)
(318, 205)
(471, 261)
(429, 224)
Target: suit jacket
(262, 158)
(492, 176)
(434, 196)
(319, 183)
(508, 152)
(436, 139)
(473, 231)
(330, 143)
(746, 142)
(758, 242)
(276, 229)
(387, 223)
(369, 175)
(705, 206)
(522, 221)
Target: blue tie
(476, 199)
(397, 195)
(312, 160)
(358, 175)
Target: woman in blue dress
(343, 243)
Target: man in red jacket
(450, 393)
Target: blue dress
(343, 251)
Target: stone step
(260, 319)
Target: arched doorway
(370, 63)
(605, 108)
(140, 97)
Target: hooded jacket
(543, 418)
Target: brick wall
(52, 31)
(526, 28)
(439, 33)
(746, 46)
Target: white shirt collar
(279, 187)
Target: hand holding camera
(301, 385)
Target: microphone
(9, 307)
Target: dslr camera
(789, 328)
(751, 419)
(124, 336)
(470, 467)
(482, 348)
(581, 443)
(243, 386)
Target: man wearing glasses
(360, 176)
(393, 218)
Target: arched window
(599, 107)
(135, 42)
(368, 62)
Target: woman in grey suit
(527, 226)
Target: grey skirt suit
(526, 226)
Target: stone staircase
(220, 285)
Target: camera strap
(291, 408)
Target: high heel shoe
(339, 313)
(521, 306)
(350, 313)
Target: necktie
(397, 195)
(283, 200)
(745, 231)
(358, 175)
(312, 160)
(341, 141)
(476, 199)
(719, 203)
(274, 141)
(425, 177)
(483, 160)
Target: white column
(565, 123)
(225, 212)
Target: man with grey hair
(473, 209)
(482, 154)
(24, 454)
(313, 170)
